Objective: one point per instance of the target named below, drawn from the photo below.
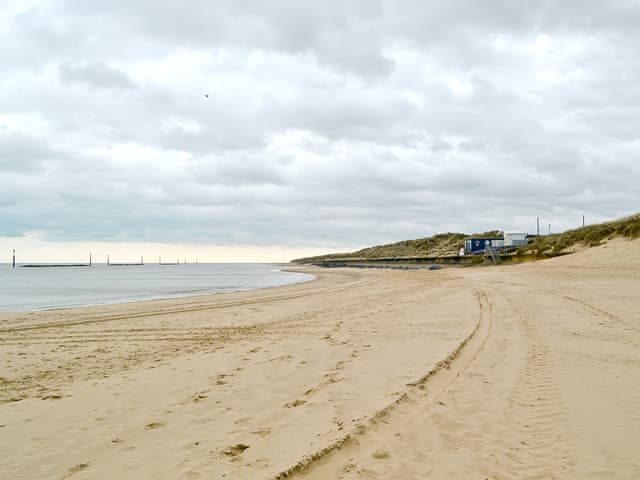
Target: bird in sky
(206, 95)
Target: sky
(242, 130)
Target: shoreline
(164, 296)
(498, 372)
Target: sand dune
(529, 371)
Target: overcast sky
(328, 125)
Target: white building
(515, 239)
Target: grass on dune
(444, 244)
(589, 236)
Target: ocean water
(47, 288)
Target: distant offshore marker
(54, 265)
(50, 265)
(109, 264)
(90, 264)
(166, 263)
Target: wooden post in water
(141, 260)
(89, 258)
(107, 259)
(14, 258)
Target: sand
(526, 371)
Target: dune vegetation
(445, 244)
(587, 236)
(442, 244)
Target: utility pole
(538, 226)
(582, 221)
(549, 229)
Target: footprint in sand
(235, 450)
(340, 365)
(380, 454)
(259, 463)
(349, 467)
(281, 358)
(333, 377)
(360, 429)
(220, 379)
(154, 425)
(77, 468)
(262, 432)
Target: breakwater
(54, 265)
(408, 263)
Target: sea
(25, 289)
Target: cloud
(95, 74)
(31, 152)
(343, 124)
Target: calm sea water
(46, 288)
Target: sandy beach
(510, 372)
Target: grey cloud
(240, 169)
(323, 30)
(23, 153)
(95, 74)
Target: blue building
(478, 245)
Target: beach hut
(478, 245)
(515, 239)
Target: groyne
(425, 262)
(54, 265)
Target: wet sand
(527, 371)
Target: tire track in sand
(322, 463)
(505, 419)
(493, 409)
(535, 443)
